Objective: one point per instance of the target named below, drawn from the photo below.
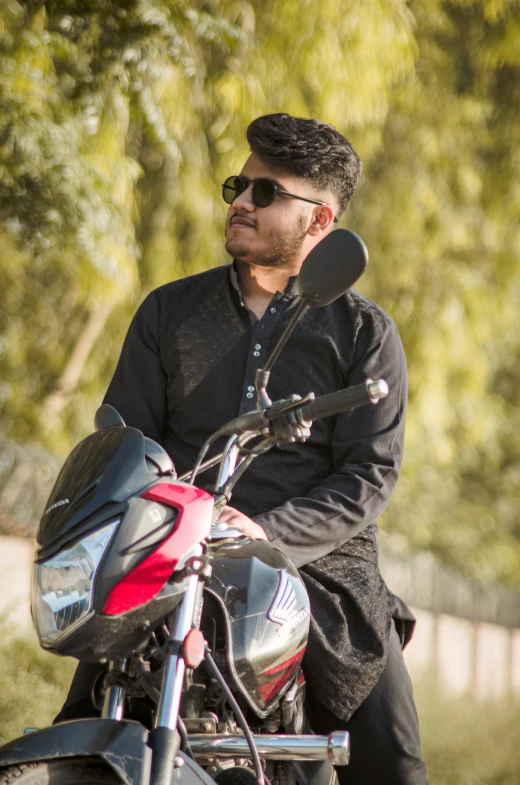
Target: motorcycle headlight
(62, 587)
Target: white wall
(16, 556)
(481, 659)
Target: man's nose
(244, 201)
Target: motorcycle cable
(185, 742)
(202, 454)
(244, 464)
(224, 431)
(241, 720)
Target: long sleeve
(138, 387)
(367, 445)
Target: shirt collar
(291, 290)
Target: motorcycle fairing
(103, 638)
(132, 594)
(144, 582)
(245, 582)
(99, 475)
(121, 744)
(103, 479)
(143, 524)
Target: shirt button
(251, 389)
(258, 346)
(249, 395)
(273, 310)
(256, 354)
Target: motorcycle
(203, 629)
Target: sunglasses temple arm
(311, 201)
(323, 204)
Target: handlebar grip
(343, 400)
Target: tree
(76, 94)
(119, 121)
(448, 267)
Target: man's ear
(323, 217)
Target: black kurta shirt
(188, 365)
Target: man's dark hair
(311, 149)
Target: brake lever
(287, 405)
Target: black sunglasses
(263, 193)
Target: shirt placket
(261, 332)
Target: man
(188, 365)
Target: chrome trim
(114, 702)
(338, 749)
(377, 390)
(334, 747)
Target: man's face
(274, 236)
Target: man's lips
(241, 222)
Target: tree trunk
(55, 402)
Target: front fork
(175, 665)
(164, 739)
(114, 702)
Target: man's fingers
(227, 514)
(240, 521)
(232, 517)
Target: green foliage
(467, 742)
(452, 283)
(33, 685)
(119, 121)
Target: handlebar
(325, 406)
(285, 421)
(344, 400)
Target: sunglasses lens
(264, 192)
(232, 188)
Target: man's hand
(240, 521)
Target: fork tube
(164, 739)
(114, 702)
(175, 666)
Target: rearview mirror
(107, 417)
(332, 267)
(329, 270)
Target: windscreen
(106, 467)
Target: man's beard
(282, 252)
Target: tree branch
(55, 402)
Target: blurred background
(118, 123)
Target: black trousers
(384, 731)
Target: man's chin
(239, 251)
(242, 253)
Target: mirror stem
(262, 375)
(302, 307)
(261, 381)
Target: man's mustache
(242, 217)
